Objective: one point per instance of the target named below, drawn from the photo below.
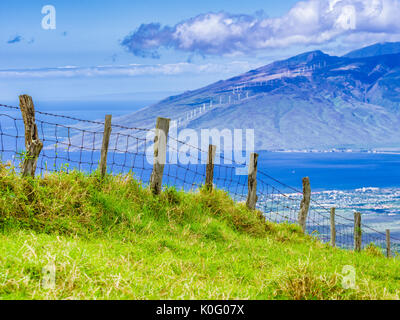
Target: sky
(97, 49)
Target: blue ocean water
(334, 171)
(365, 182)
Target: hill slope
(115, 240)
(312, 100)
(377, 49)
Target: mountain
(377, 49)
(310, 101)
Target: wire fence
(75, 144)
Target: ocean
(365, 182)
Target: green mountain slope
(377, 49)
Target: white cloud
(307, 23)
(129, 70)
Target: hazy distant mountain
(378, 49)
(312, 100)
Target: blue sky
(125, 47)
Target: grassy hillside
(113, 239)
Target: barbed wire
(80, 120)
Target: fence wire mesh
(75, 144)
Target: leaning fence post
(333, 228)
(210, 166)
(160, 154)
(388, 252)
(305, 204)
(104, 148)
(33, 144)
(357, 231)
(252, 182)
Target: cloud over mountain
(308, 22)
(128, 70)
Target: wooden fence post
(305, 204)
(210, 166)
(388, 251)
(357, 231)
(160, 154)
(333, 228)
(252, 182)
(104, 148)
(33, 144)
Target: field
(113, 239)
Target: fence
(40, 142)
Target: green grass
(113, 239)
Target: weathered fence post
(333, 228)
(33, 144)
(305, 204)
(252, 182)
(357, 231)
(388, 252)
(104, 148)
(160, 154)
(210, 166)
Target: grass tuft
(113, 239)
